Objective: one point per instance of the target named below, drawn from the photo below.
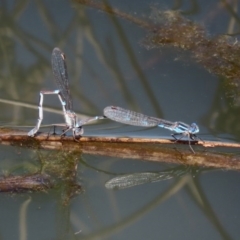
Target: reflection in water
(190, 182)
(223, 116)
(62, 166)
(130, 180)
(52, 170)
(32, 182)
(23, 220)
(22, 77)
(219, 54)
(169, 28)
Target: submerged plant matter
(52, 170)
(219, 54)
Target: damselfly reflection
(134, 179)
(59, 68)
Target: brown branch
(159, 150)
(35, 182)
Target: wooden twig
(7, 134)
(35, 182)
(159, 150)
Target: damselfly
(59, 68)
(138, 119)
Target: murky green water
(108, 64)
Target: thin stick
(158, 150)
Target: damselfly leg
(126, 116)
(59, 68)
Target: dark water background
(108, 65)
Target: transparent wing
(59, 68)
(133, 118)
(130, 180)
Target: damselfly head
(194, 128)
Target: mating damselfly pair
(114, 113)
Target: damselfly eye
(195, 128)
